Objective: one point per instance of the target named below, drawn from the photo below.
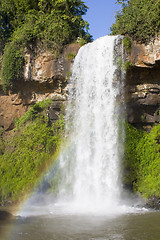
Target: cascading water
(91, 166)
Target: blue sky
(100, 15)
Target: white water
(91, 166)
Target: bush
(139, 19)
(24, 23)
(127, 44)
(12, 66)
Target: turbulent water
(91, 166)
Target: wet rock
(4, 215)
(153, 202)
(55, 109)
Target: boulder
(153, 202)
(4, 215)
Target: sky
(100, 15)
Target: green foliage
(12, 66)
(68, 75)
(139, 19)
(5, 29)
(71, 56)
(142, 159)
(124, 65)
(127, 65)
(149, 156)
(81, 41)
(59, 22)
(33, 112)
(133, 137)
(127, 44)
(28, 153)
(24, 22)
(1, 142)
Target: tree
(26, 20)
(140, 19)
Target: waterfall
(91, 172)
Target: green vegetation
(139, 19)
(12, 66)
(82, 41)
(58, 21)
(142, 160)
(68, 75)
(71, 56)
(123, 65)
(23, 23)
(26, 154)
(127, 44)
(33, 113)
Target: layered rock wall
(143, 84)
(45, 77)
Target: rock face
(145, 55)
(45, 77)
(143, 84)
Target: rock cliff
(143, 84)
(45, 77)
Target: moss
(142, 160)
(29, 152)
(70, 56)
(123, 65)
(33, 112)
(127, 44)
(68, 75)
(127, 65)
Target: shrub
(139, 19)
(12, 66)
(127, 44)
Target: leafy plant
(127, 44)
(124, 65)
(33, 112)
(23, 23)
(81, 41)
(138, 19)
(12, 66)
